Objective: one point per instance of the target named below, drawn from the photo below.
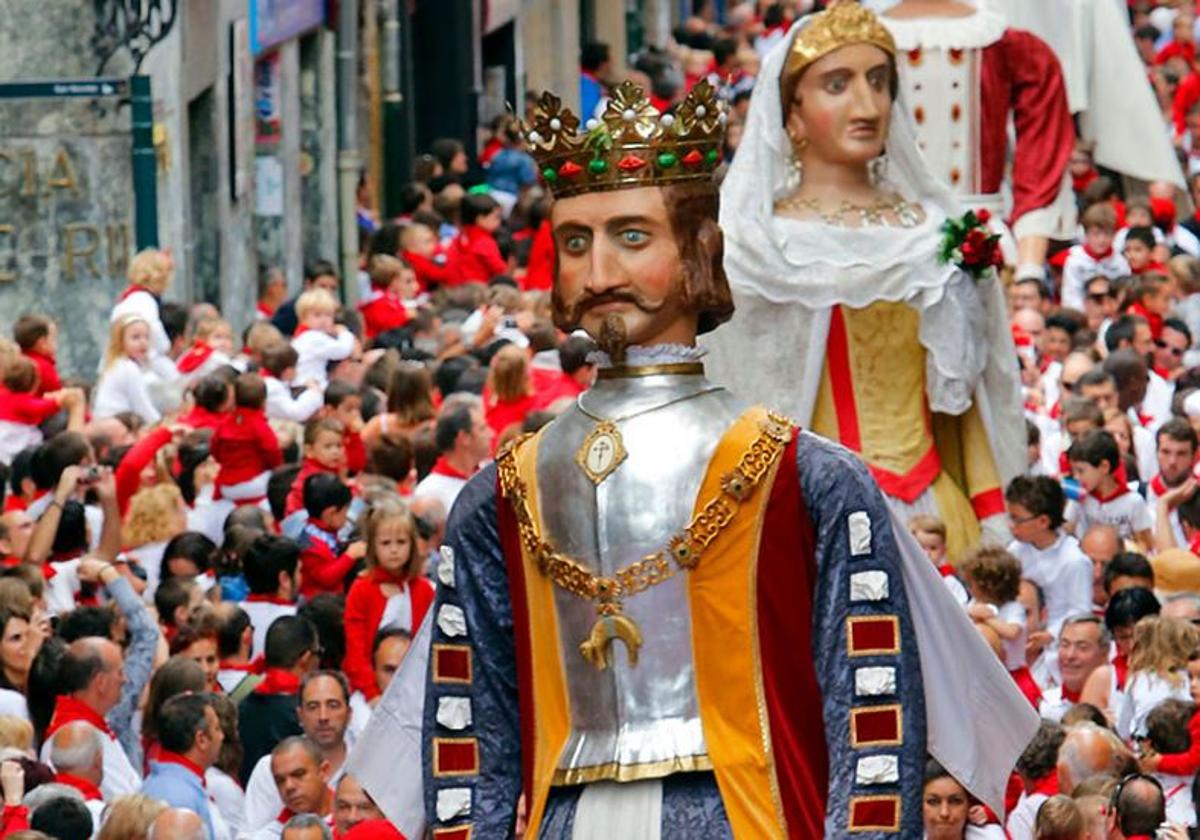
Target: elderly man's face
(1080, 653)
(301, 780)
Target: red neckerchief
(1194, 543)
(68, 710)
(1079, 183)
(1056, 410)
(268, 599)
(946, 570)
(48, 571)
(168, 757)
(134, 289)
(14, 502)
(264, 310)
(1047, 785)
(1120, 665)
(90, 791)
(254, 666)
(1121, 489)
(278, 681)
(1071, 697)
(300, 329)
(442, 467)
(1158, 485)
(1098, 257)
(379, 575)
(196, 356)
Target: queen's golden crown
(630, 145)
(836, 27)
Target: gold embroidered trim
(614, 772)
(683, 551)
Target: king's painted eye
(634, 237)
(575, 244)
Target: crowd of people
(214, 554)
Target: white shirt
(1143, 691)
(1064, 574)
(1081, 267)
(1177, 790)
(262, 614)
(1152, 505)
(150, 558)
(226, 794)
(1021, 821)
(444, 488)
(1053, 705)
(122, 387)
(60, 591)
(1145, 450)
(120, 776)
(1127, 512)
(316, 350)
(145, 307)
(281, 405)
(1014, 649)
(1157, 403)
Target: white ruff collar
(652, 354)
(976, 31)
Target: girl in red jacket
(390, 593)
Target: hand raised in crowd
(12, 780)
(357, 549)
(92, 570)
(68, 483)
(1176, 496)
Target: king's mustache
(587, 300)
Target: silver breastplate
(643, 721)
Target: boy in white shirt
(1049, 557)
(278, 369)
(1095, 257)
(1094, 461)
(318, 340)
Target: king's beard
(613, 338)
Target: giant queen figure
(671, 614)
(847, 318)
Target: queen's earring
(796, 175)
(879, 170)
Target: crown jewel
(630, 145)
(836, 27)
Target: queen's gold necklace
(907, 215)
(603, 450)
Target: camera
(90, 475)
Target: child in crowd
(212, 347)
(37, 336)
(324, 566)
(1150, 297)
(391, 592)
(22, 411)
(475, 254)
(994, 578)
(278, 369)
(1162, 647)
(1184, 762)
(213, 398)
(1167, 731)
(930, 533)
(244, 444)
(122, 386)
(344, 404)
(1095, 256)
(391, 283)
(421, 250)
(508, 396)
(318, 340)
(1094, 461)
(324, 452)
(1050, 557)
(1139, 249)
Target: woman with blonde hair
(508, 396)
(124, 380)
(149, 275)
(1158, 662)
(156, 515)
(129, 817)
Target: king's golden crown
(630, 145)
(836, 27)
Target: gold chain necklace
(603, 450)
(682, 552)
(869, 215)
